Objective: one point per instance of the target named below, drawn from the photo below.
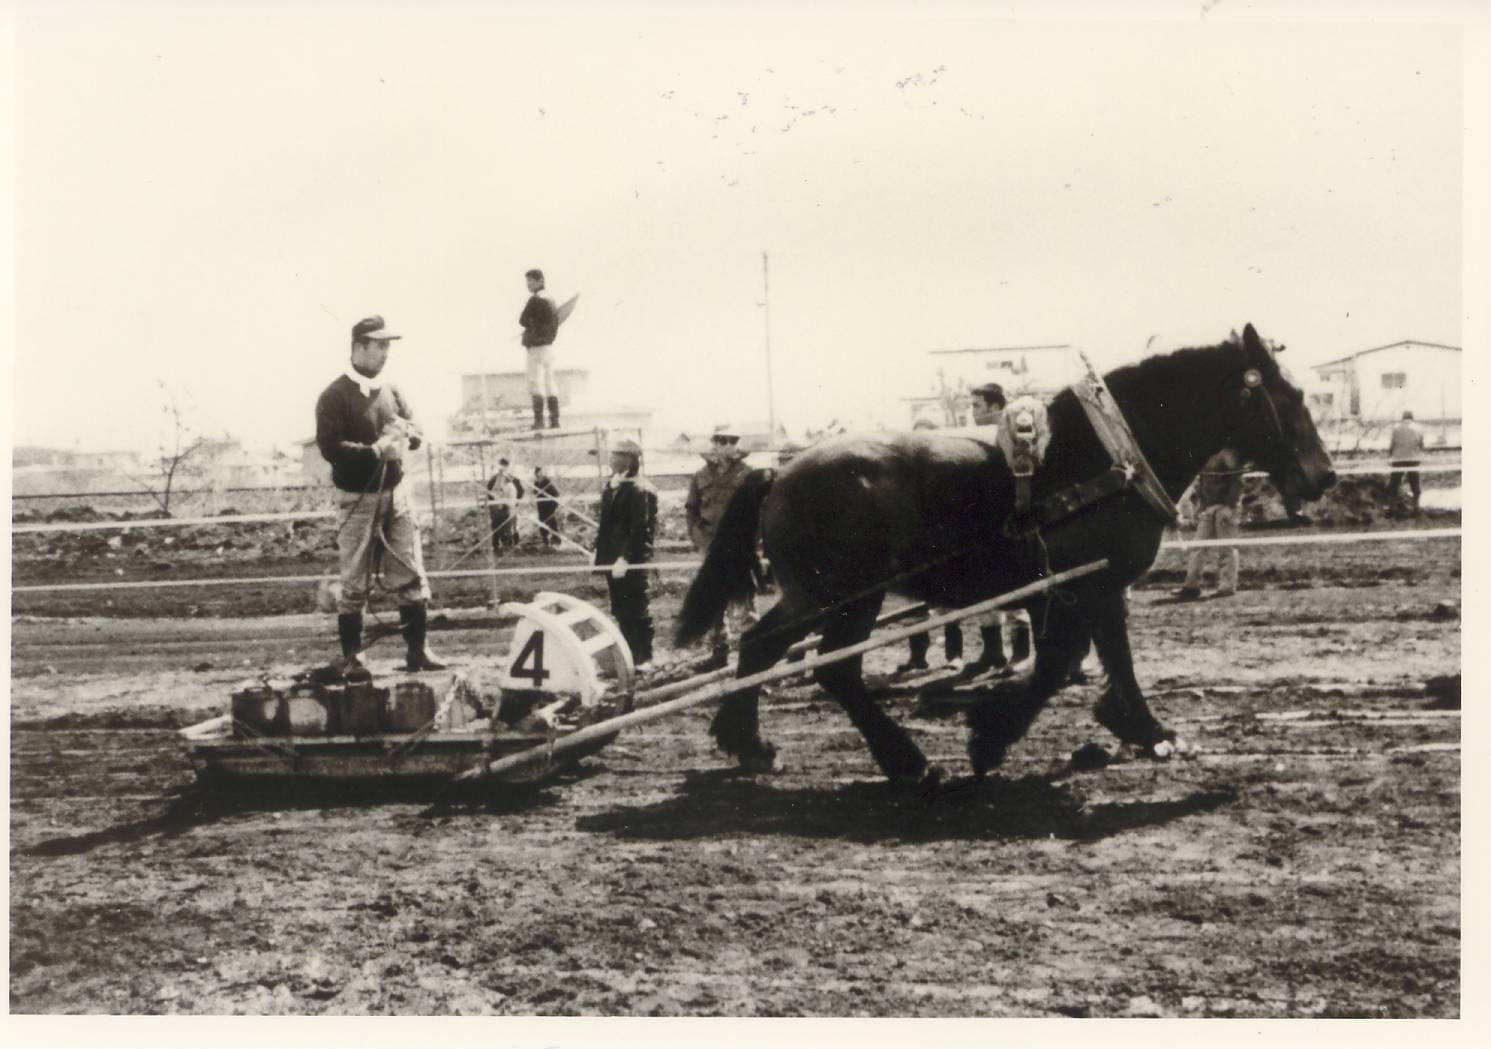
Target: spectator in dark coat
(546, 498)
(623, 543)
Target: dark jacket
(545, 493)
(540, 320)
(710, 490)
(628, 522)
(347, 424)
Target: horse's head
(1269, 423)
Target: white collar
(365, 386)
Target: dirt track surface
(1304, 862)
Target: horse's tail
(728, 572)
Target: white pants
(541, 372)
(1215, 522)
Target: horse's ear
(1252, 344)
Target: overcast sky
(213, 201)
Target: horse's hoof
(923, 781)
(1173, 747)
(761, 758)
(984, 755)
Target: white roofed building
(1356, 399)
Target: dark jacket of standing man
(624, 540)
(546, 499)
(540, 321)
(364, 428)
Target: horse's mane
(1169, 401)
(1181, 367)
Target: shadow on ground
(721, 802)
(199, 805)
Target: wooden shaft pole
(661, 692)
(718, 690)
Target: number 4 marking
(534, 650)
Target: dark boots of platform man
(364, 428)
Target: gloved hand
(618, 570)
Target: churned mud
(1303, 861)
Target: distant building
(1380, 384)
(1356, 400)
(1040, 371)
(44, 471)
(23, 456)
(499, 402)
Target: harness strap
(1083, 494)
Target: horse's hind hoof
(985, 755)
(761, 758)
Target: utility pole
(771, 400)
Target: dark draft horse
(923, 514)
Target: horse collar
(1108, 422)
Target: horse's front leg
(1001, 719)
(1122, 708)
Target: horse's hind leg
(998, 723)
(892, 747)
(736, 727)
(1122, 708)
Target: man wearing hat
(623, 543)
(364, 428)
(710, 490)
(540, 321)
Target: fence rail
(686, 566)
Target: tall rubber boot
(1019, 642)
(349, 633)
(553, 413)
(414, 623)
(918, 643)
(538, 411)
(952, 642)
(993, 641)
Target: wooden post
(485, 518)
(440, 482)
(434, 502)
(719, 690)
